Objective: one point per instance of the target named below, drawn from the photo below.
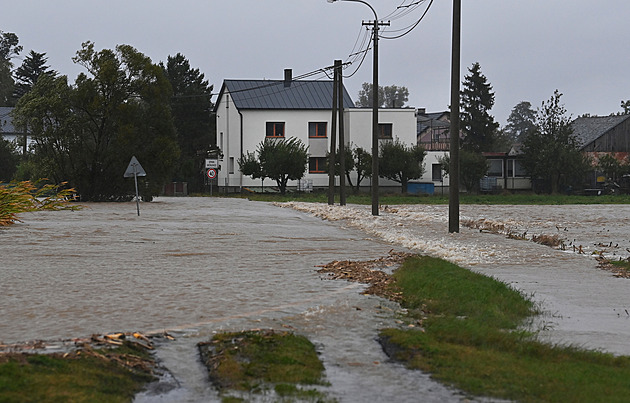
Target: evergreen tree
(27, 74)
(9, 48)
(477, 99)
(191, 106)
(521, 122)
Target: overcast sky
(526, 49)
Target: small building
(600, 135)
(250, 111)
(506, 169)
(8, 131)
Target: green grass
(397, 198)
(82, 378)
(255, 361)
(470, 339)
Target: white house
(249, 111)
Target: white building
(249, 111)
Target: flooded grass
(484, 199)
(88, 376)
(469, 337)
(262, 361)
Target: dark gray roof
(6, 121)
(589, 129)
(274, 94)
(427, 120)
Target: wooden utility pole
(453, 186)
(342, 138)
(333, 139)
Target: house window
(436, 172)
(495, 168)
(519, 170)
(231, 165)
(317, 165)
(317, 129)
(275, 129)
(385, 130)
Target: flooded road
(195, 266)
(583, 305)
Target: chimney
(288, 77)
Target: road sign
(212, 173)
(134, 169)
(212, 163)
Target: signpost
(135, 169)
(212, 174)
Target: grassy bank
(263, 362)
(397, 198)
(467, 335)
(86, 376)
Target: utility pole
(342, 138)
(453, 200)
(333, 139)
(375, 25)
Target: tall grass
(467, 335)
(22, 197)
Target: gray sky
(526, 49)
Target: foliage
(477, 99)
(87, 133)
(612, 168)
(470, 339)
(191, 107)
(348, 163)
(27, 74)
(521, 122)
(388, 97)
(279, 159)
(473, 167)
(9, 159)
(262, 356)
(362, 164)
(86, 376)
(552, 151)
(9, 49)
(401, 163)
(22, 197)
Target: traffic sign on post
(212, 173)
(134, 169)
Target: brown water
(195, 266)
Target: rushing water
(195, 266)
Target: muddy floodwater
(195, 266)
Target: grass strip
(467, 335)
(257, 361)
(84, 376)
(484, 199)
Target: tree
(9, 159)
(473, 167)
(552, 151)
(521, 122)
(348, 163)
(362, 164)
(27, 74)
(625, 105)
(278, 159)
(87, 133)
(611, 167)
(477, 99)
(401, 163)
(388, 97)
(9, 48)
(191, 107)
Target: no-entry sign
(212, 173)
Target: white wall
(358, 129)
